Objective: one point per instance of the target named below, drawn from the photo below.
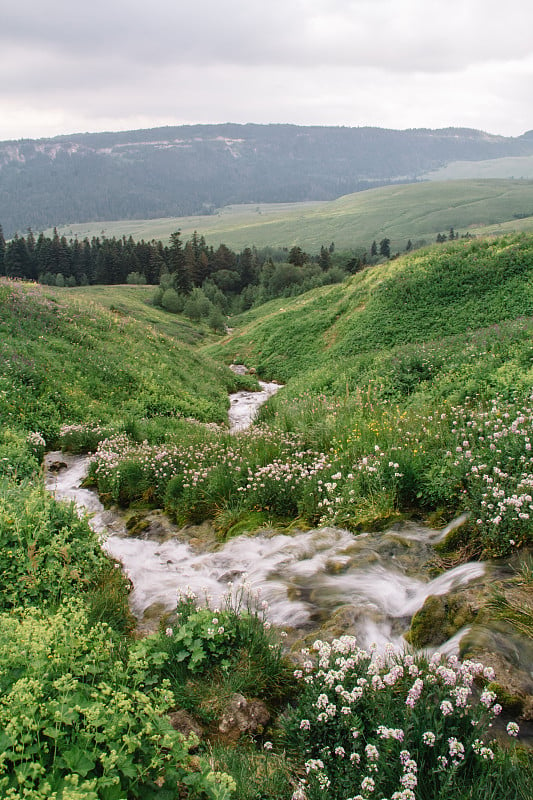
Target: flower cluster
(434, 724)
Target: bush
(209, 654)
(172, 301)
(47, 552)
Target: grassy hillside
(339, 334)
(413, 211)
(66, 359)
(135, 302)
(508, 167)
(409, 392)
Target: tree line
(191, 276)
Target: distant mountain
(193, 169)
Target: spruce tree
(2, 252)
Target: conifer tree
(2, 252)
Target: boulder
(185, 723)
(243, 716)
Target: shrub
(47, 552)
(209, 654)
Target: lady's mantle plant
(83, 718)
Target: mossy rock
(440, 618)
(136, 524)
(511, 702)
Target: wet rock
(136, 524)
(243, 716)
(151, 619)
(442, 616)
(185, 723)
(56, 466)
(508, 656)
(231, 575)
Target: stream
(371, 583)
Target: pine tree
(324, 259)
(2, 252)
(180, 263)
(384, 248)
(17, 260)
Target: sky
(109, 65)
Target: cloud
(306, 61)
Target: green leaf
(78, 761)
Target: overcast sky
(71, 66)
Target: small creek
(371, 583)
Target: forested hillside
(169, 172)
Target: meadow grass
(401, 212)
(67, 361)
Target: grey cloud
(402, 34)
(398, 63)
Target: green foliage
(258, 776)
(47, 552)
(76, 715)
(72, 362)
(20, 453)
(208, 655)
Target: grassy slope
(67, 359)
(508, 167)
(135, 302)
(414, 211)
(433, 300)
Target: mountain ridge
(194, 169)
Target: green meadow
(407, 395)
(412, 211)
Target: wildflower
(169, 632)
(368, 784)
(446, 708)
(299, 794)
(414, 693)
(429, 738)
(487, 698)
(409, 781)
(305, 725)
(372, 753)
(313, 764)
(267, 746)
(456, 748)
(512, 729)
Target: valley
(380, 504)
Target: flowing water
(371, 583)
(244, 405)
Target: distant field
(408, 211)
(509, 167)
